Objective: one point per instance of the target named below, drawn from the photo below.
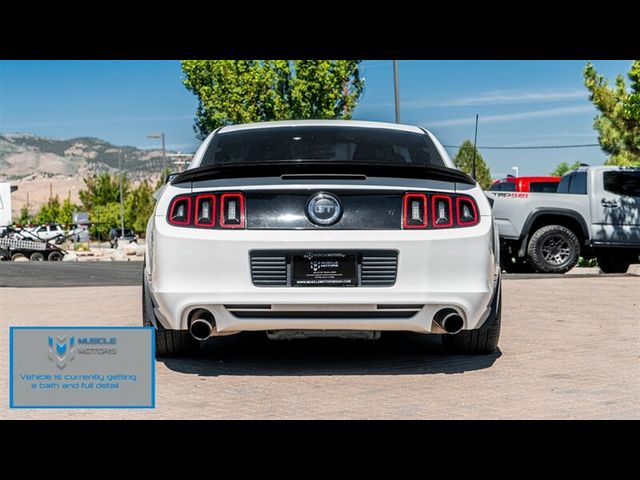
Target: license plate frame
(324, 269)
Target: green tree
(24, 217)
(50, 211)
(138, 207)
(102, 189)
(65, 216)
(618, 124)
(104, 217)
(241, 91)
(161, 179)
(564, 167)
(463, 161)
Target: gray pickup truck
(595, 213)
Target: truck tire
(168, 342)
(15, 256)
(517, 265)
(55, 256)
(612, 263)
(37, 257)
(480, 341)
(553, 249)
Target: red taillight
(441, 211)
(180, 210)
(445, 210)
(466, 212)
(232, 210)
(205, 215)
(414, 210)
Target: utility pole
(473, 160)
(164, 154)
(164, 151)
(396, 88)
(121, 202)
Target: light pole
(121, 202)
(515, 169)
(396, 90)
(164, 152)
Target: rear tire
(611, 263)
(16, 256)
(553, 249)
(168, 342)
(481, 341)
(36, 257)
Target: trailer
(35, 251)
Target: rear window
(623, 183)
(322, 143)
(575, 183)
(545, 187)
(503, 187)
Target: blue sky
(520, 103)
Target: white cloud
(507, 117)
(485, 98)
(503, 97)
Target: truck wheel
(55, 257)
(37, 257)
(553, 249)
(15, 256)
(480, 341)
(610, 263)
(168, 342)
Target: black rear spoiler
(320, 168)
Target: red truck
(526, 184)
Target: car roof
(319, 123)
(547, 178)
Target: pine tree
(463, 161)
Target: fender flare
(563, 212)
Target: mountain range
(27, 156)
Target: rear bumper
(190, 269)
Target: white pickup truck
(595, 214)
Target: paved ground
(101, 274)
(69, 274)
(569, 349)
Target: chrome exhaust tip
(201, 324)
(449, 320)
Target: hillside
(25, 157)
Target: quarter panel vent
(269, 270)
(379, 270)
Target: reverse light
(205, 211)
(441, 211)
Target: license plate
(325, 269)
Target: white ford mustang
(322, 228)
